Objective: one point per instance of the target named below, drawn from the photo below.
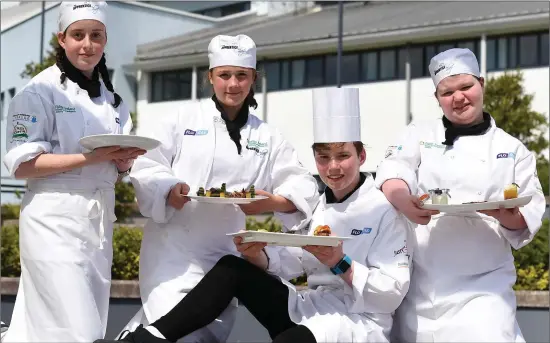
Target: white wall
(383, 112)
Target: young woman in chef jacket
(354, 288)
(217, 141)
(461, 286)
(67, 213)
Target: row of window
(503, 52)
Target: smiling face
(84, 42)
(461, 99)
(338, 165)
(232, 84)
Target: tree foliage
(506, 100)
(34, 68)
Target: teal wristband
(342, 266)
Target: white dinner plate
(288, 239)
(225, 201)
(489, 205)
(124, 141)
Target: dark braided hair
(250, 100)
(59, 57)
(101, 68)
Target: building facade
(381, 41)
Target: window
(416, 60)
(314, 72)
(520, 50)
(272, 74)
(285, 75)
(430, 52)
(297, 71)
(226, 10)
(513, 52)
(544, 49)
(528, 50)
(445, 47)
(350, 68)
(387, 65)
(502, 53)
(330, 70)
(369, 66)
(491, 54)
(171, 85)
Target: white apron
(66, 219)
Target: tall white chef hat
(453, 62)
(69, 12)
(336, 115)
(238, 51)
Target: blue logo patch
(356, 232)
(189, 132)
(506, 155)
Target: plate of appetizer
(321, 236)
(124, 141)
(220, 195)
(510, 200)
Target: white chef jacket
(180, 247)
(66, 219)
(379, 247)
(461, 286)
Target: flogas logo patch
(365, 231)
(506, 155)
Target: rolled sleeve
(29, 128)
(402, 160)
(529, 184)
(293, 182)
(152, 174)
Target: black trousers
(265, 297)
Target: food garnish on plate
(322, 230)
(511, 191)
(222, 192)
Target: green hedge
(531, 261)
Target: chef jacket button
(482, 160)
(478, 193)
(452, 157)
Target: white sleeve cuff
(522, 237)
(162, 213)
(390, 169)
(23, 153)
(355, 302)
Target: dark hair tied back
(101, 68)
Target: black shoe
(139, 336)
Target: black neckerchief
(92, 86)
(329, 195)
(453, 132)
(234, 126)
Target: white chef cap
(238, 51)
(336, 115)
(453, 62)
(69, 12)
